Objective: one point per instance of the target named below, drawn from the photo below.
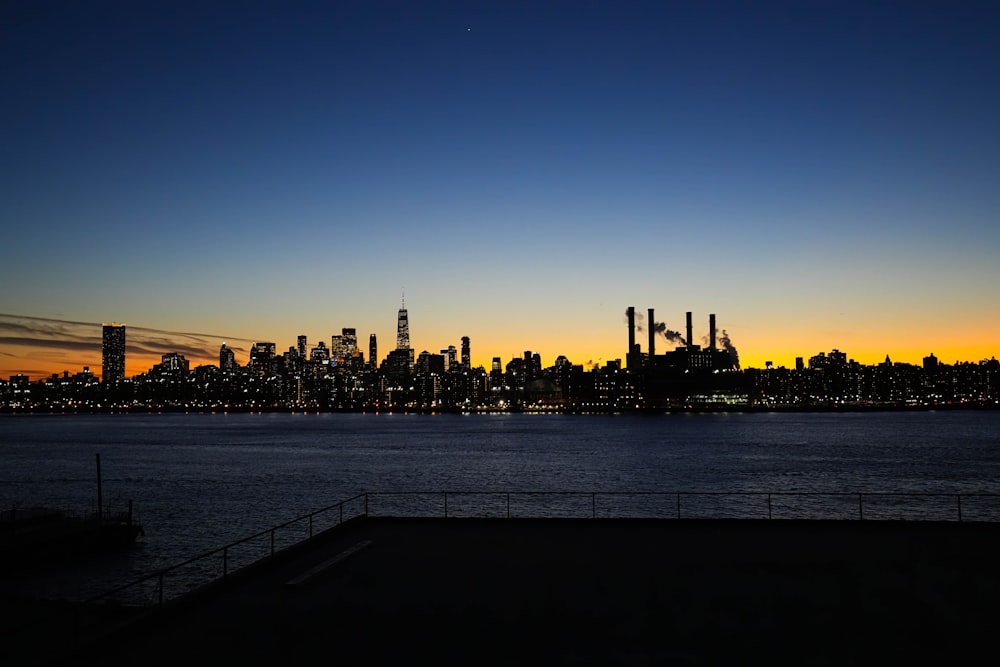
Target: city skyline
(145, 347)
(819, 175)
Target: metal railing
(220, 563)
(152, 591)
(913, 506)
(101, 613)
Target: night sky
(817, 174)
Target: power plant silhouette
(719, 355)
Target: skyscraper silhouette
(403, 331)
(227, 359)
(113, 353)
(403, 328)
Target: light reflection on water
(200, 481)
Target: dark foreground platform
(576, 591)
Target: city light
(688, 377)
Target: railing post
(678, 505)
(272, 541)
(446, 504)
(225, 562)
(959, 497)
(508, 505)
(861, 509)
(593, 505)
(77, 622)
(160, 584)
(366, 505)
(341, 513)
(769, 506)
(310, 526)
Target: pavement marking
(326, 565)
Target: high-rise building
(227, 359)
(302, 347)
(172, 363)
(113, 353)
(262, 355)
(345, 345)
(351, 340)
(403, 332)
(466, 352)
(373, 351)
(450, 358)
(403, 328)
(320, 354)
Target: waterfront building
(466, 352)
(373, 351)
(113, 353)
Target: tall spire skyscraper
(403, 331)
(403, 328)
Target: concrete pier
(593, 591)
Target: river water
(202, 480)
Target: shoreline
(664, 411)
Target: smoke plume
(727, 345)
(639, 319)
(671, 335)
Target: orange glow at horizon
(42, 362)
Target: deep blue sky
(820, 174)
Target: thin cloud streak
(63, 344)
(51, 334)
(18, 324)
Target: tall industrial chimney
(711, 331)
(630, 313)
(652, 334)
(690, 328)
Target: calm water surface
(200, 481)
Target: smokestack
(690, 338)
(630, 313)
(652, 335)
(711, 331)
